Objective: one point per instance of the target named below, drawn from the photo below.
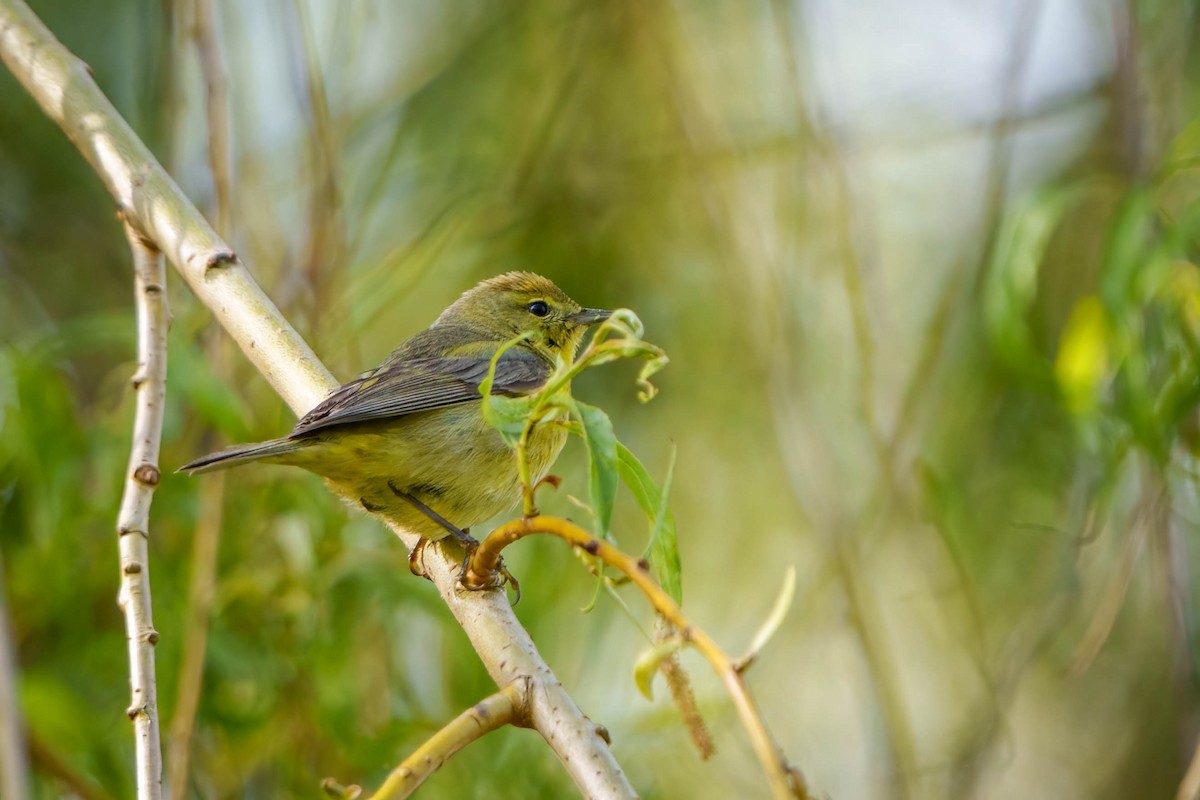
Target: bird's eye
(539, 308)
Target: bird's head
(519, 302)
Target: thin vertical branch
(206, 542)
(842, 546)
(133, 520)
(326, 244)
(14, 755)
(216, 109)
(1189, 787)
(1117, 586)
(48, 761)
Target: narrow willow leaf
(1123, 273)
(505, 414)
(591, 603)
(649, 390)
(602, 463)
(625, 322)
(647, 664)
(783, 604)
(1012, 277)
(664, 547)
(664, 556)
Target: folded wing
(408, 386)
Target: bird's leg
(469, 543)
(467, 540)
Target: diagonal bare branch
(152, 202)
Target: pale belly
(450, 459)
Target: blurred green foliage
(947, 369)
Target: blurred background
(926, 274)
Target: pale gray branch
(14, 754)
(133, 520)
(152, 202)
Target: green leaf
(648, 390)
(620, 336)
(647, 664)
(505, 414)
(602, 463)
(664, 546)
(774, 620)
(1012, 278)
(1130, 236)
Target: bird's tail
(240, 454)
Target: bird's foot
(499, 578)
(470, 544)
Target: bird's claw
(498, 578)
(416, 558)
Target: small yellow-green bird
(409, 437)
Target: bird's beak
(589, 316)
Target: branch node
(151, 636)
(334, 789)
(147, 475)
(133, 568)
(603, 733)
(219, 259)
(520, 694)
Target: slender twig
(133, 520)
(216, 111)
(1189, 787)
(206, 542)
(49, 761)
(1117, 586)
(326, 243)
(786, 781)
(489, 714)
(63, 87)
(14, 756)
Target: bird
(409, 439)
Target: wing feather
(408, 386)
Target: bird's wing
(401, 387)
